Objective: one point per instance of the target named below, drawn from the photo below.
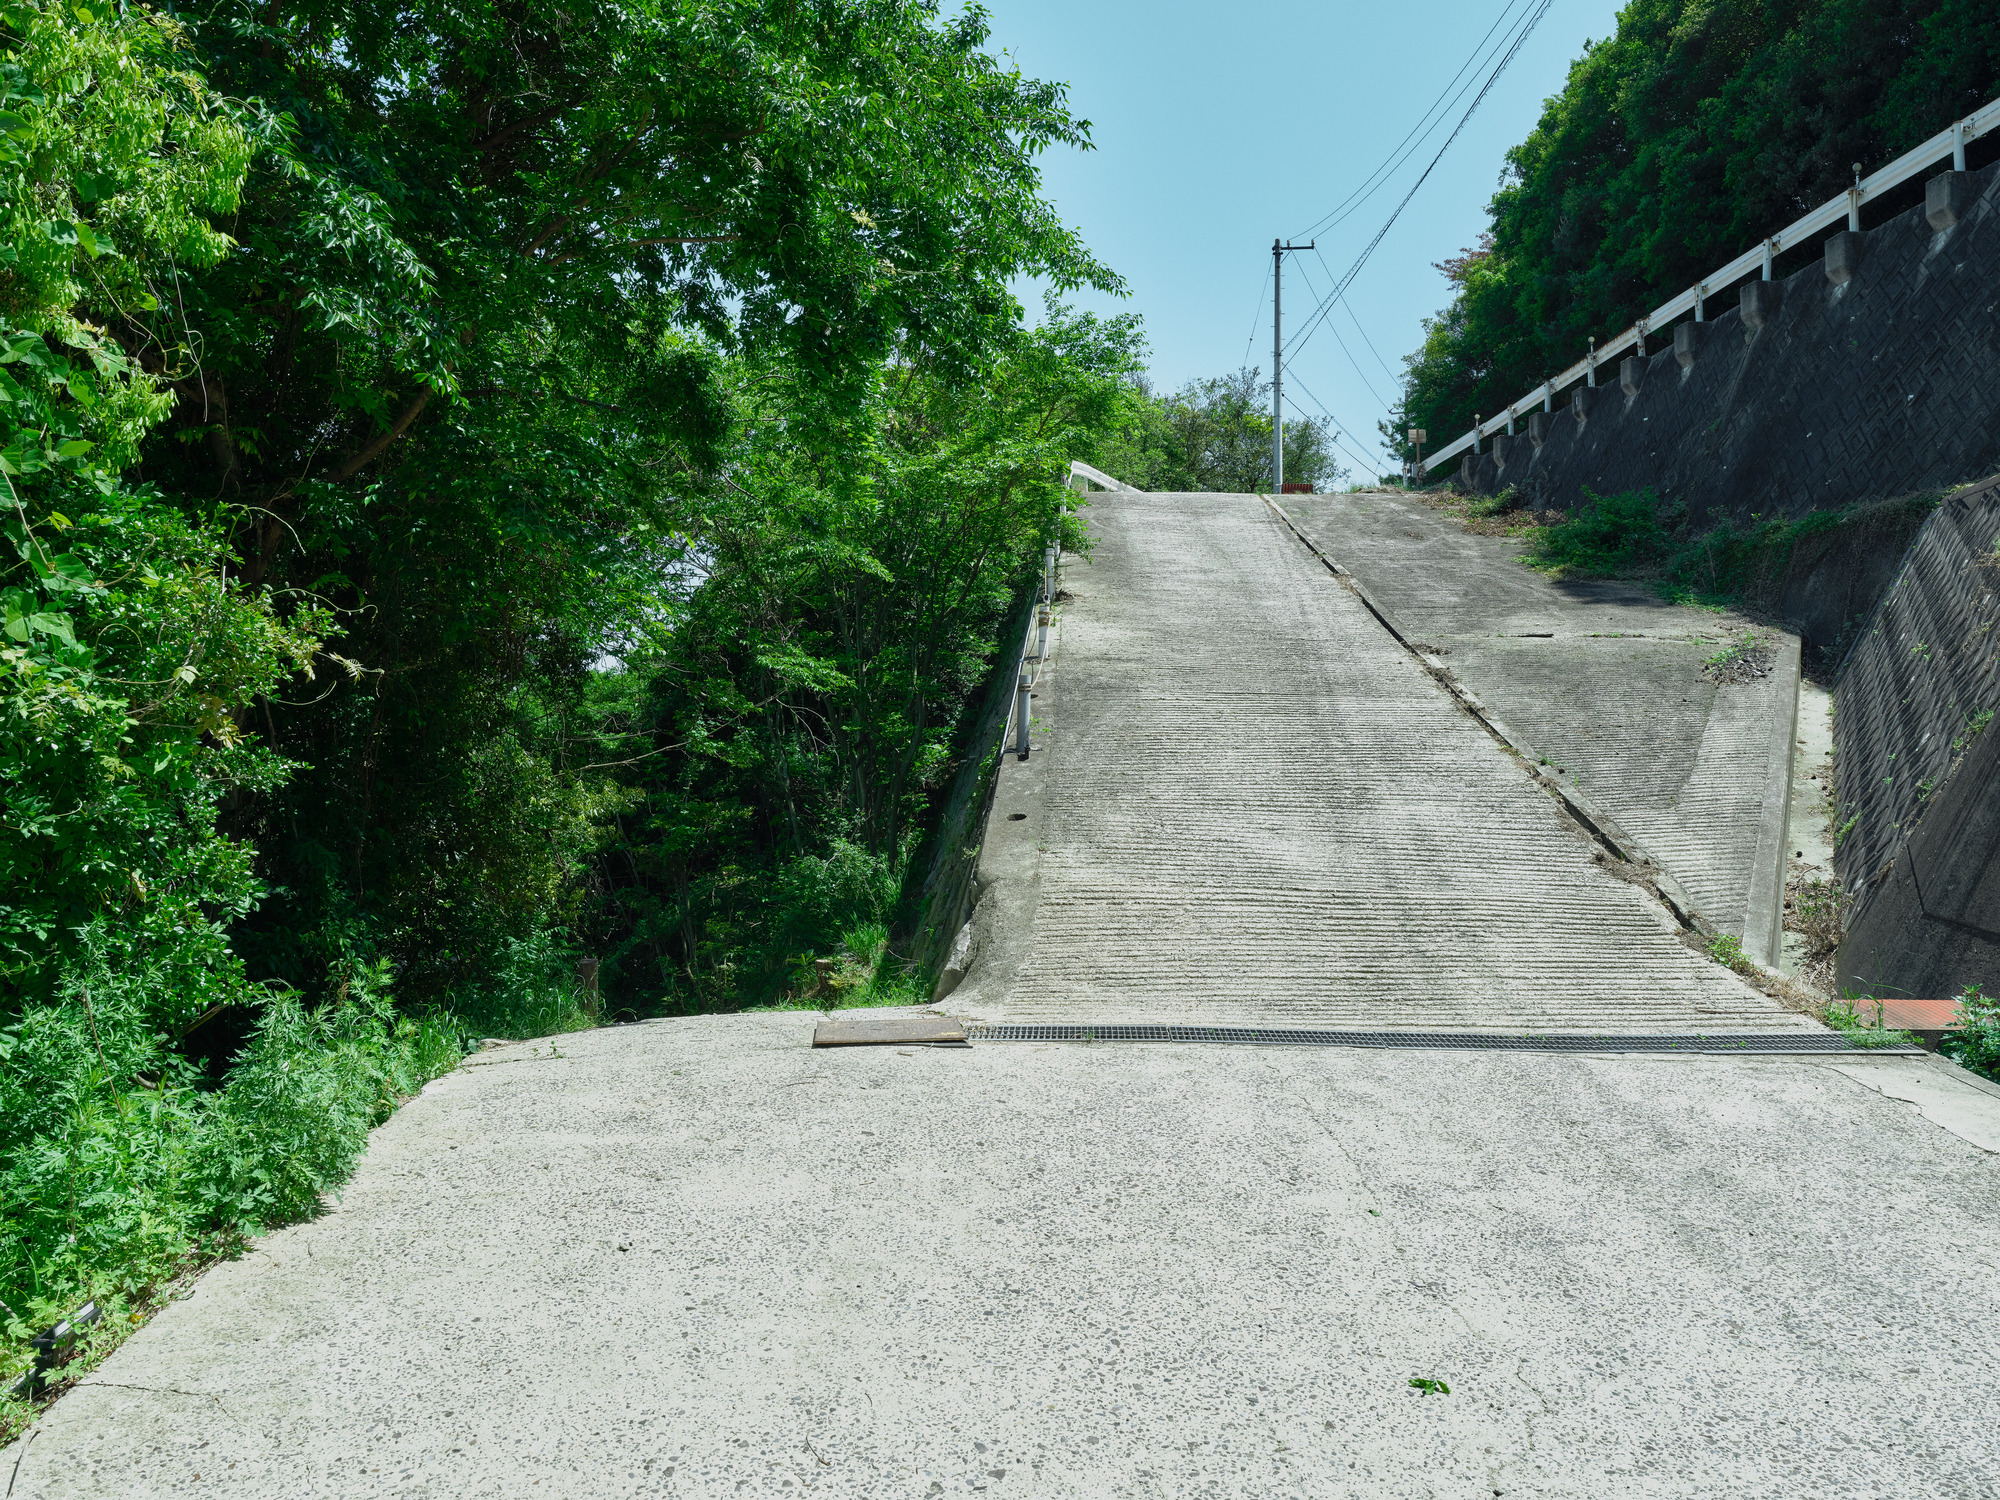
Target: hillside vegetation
(1676, 144)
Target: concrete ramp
(1606, 680)
(1249, 805)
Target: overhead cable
(1320, 313)
(1421, 131)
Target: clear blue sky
(1220, 126)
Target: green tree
(1214, 435)
(1685, 138)
(789, 724)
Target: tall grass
(1635, 534)
(126, 1160)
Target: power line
(1343, 342)
(1325, 309)
(1255, 318)
(1419, 132)
(1338, 425)
(1356, 318)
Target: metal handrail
(1098, 477)
(1949, 142)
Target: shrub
(1611, 536)
(1976, 1045)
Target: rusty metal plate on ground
(860, 1029)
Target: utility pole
(1278, 251)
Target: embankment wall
(1917, 759)
(1811, 393)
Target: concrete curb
(1008, 877)
(1581, 806)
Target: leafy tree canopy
(1689, 135)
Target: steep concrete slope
(1606, 680)
(1258, 808)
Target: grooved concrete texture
(1250, 805)
(1885, 384)
(696, 1258)
(1604, 679)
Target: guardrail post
(1022, 685)
(1701, 302)
(1042, 614)
(1593, 360)
(1767, 260)
(1958, 145)
(1548, 395)
(1049, 574)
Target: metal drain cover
(1786, 1043)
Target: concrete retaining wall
(938, 905)
(1918, 779)
(1810, 393)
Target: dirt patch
(1495, 515)
(1745, 660)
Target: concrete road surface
(698, 1258)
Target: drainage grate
(1779, 1042)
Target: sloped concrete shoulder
(1944, 1093)
(1008, 879)
(1605, 680)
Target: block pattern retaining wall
(1883, 384)
(1917, 857)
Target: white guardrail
(1014, 735)
(1097, 477)
(1946, 143)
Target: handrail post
(1958, 145)
(1021, 694)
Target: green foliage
(1689, 135)
(1635, 534)
(1487, 506)
(789, 732)
(1214, 436)
(633, 395)
(1727, 949)
(1610, 536)
(1976, 1042)
(1862, 1026)
(117, 1156)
